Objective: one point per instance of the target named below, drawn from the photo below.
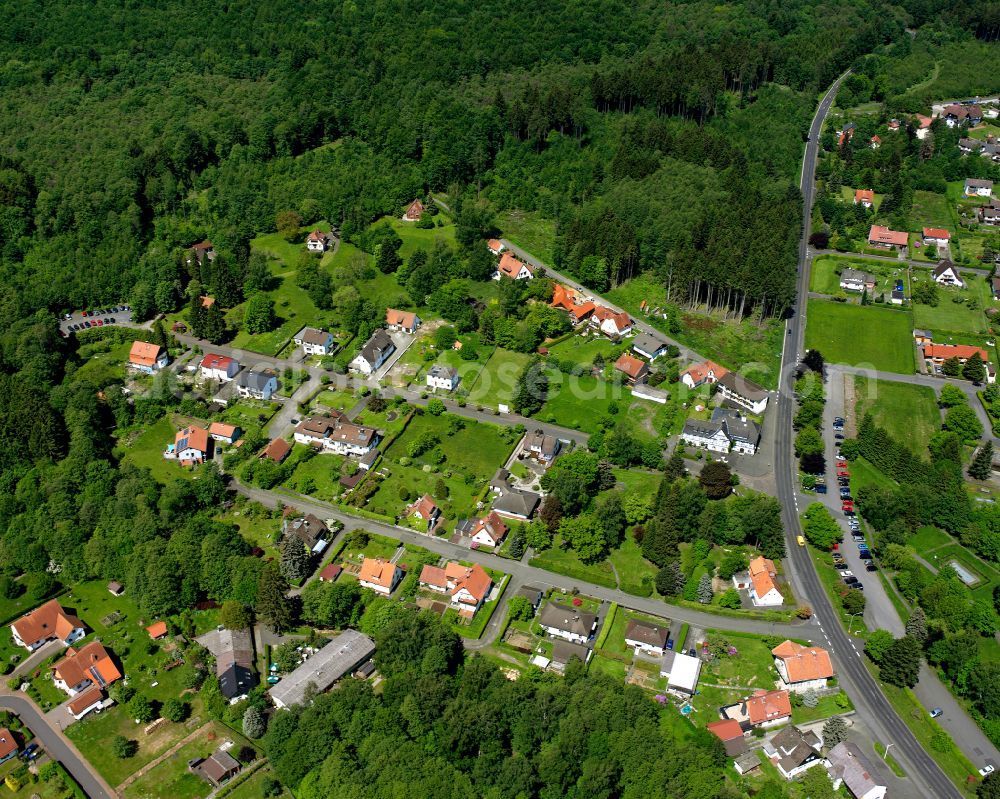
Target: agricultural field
(494, 385)
(861, 336)
(909, 413)
(463, 459)
(754, 348)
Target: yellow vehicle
(801, 540)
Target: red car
(843, 474)
(841, 464)
(100, 323)
(835, 547)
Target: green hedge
(609, 620)
(475, 630)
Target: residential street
(57, 745)
(868, 698)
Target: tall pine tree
(982, 464)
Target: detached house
(922, 126)
(571, 624)
(218, 367)
(700, 373)
(405, 321)
(512, 268)
(611, 323)
(763, 586)
(277, 450)
(426, 510)
(541, 446)
(200, 251)
(225, 433)
(578, 309)
(489, 531)
(468, 586)
(8, 745)
(310, 530)
(648, 346)
(233, 653)
(333, 433)
(634, 370)
(495, 246)
(937, 354)
(379, 575)
(936, 235)
(761, 709)
(314, 342)
(864, 197)
(946, 274)
(726, 431)
(318, 241)
(731, 734)
(848, 765)
(856, 280)
(794, 751)
(374, 353)
(647, 637)
(191, 446)
(705, 434)
(802, 668)
(413, 211)
(49, 622)
(260, 385)
(743, 392)
(990, 214)
(83, 668)
(974, 187)
(146, 357)
(886, 239)
(442, 377)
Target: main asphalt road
(57, 745)
(871, 703)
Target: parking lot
(88, 320)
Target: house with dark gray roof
(374, 353)
(571, 624)
(744, 434)
(793, 751)
(532, 594)
(517, 504)
(564, 651)
(233, 653)
(541, 446)
(847, 765)
(443, 377)
(257, 384)
(649, 346)
(743, 392)
(646, 636)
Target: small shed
(115, 588)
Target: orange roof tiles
(434, 576)
(726, 729)
(883, 235)
(706, 370)
(633, 367)
(378, 572)
(864, 196)
(622, 320)
(476, 581)
(193, 438)
(91, 662)
(85, 699)
(762, 575)
(510, 266)
(221, 429)
(495, 245)
(215, 361)
(7, 743)
(402, 318)
(768, 706)
(277, 450)
(492, 524)
(804, 662)
(960, 351)
(936, 233)
(47, 621)
(143, 353)
(157, 629)
(424, 506)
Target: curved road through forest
(867, 695)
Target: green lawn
(613, 668)
(958, 310)
(752, 667)
(420, 238)
(171, 779)
(473, 451)
(59, 787)
(827, 707)
(530, 231)
(566, 562)
(864, 474)
(982, 131)
(909, 413)
(634, 480)
(931, 210)
(614, 643)
(262, 528)
(496, 381)
(337, 400)
(582, 403)
(317, 476)
(752, 348)
(252, 786)
(582, 349)
(928, 538)
(861, 336)
(635, 573)
(146, 451)
(250, 415)
(824, 276)
(103, 361)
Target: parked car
(692, 653)
(987, 769)
(936, 712)
(857, 586)
(821, 489)
(866, 555)
(839, 419)
(862, 547)
(843, 473)
(670, 644)
(870, 566)
(851, 580)
(29, 750)
(841, 464)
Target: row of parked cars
(95, 319)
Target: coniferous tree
(705, 592)
(974, 369)
(294, 559)
(272, 605)
(916, 625)
(900, 663)
(982, 464)
(213, 324)
(834, 732)
(675, 466)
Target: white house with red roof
(379, 575)
(495, 246)
(46, 623)
(426, 510)
(700, 373)
(763, 585)
(146, 357)
(936, 235)
(191, 446)
(611, 323)
(489, 531)
(218, 367)
(318, 241)
(885, 238)
(468, 586)
(512, 268)
(226, 433)
(864, 197)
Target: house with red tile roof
(226, 433)
(318, 241)
(513, 268)
(936, 235)
(885, 238)
(569, 300)
(939, 353)
(379, 575)
(634, 369)
(731, 734)
(426, 510)
(489, 531)
(218, 367)
(875, 142)
(468, 586)
(413, 211)
(763, 585)
(767, 708)
(802, 668)
(406, 321)
(495, 246)
(157, 630)
(277, 450)
(200, 251)
(922, 126)
(701, 373)
(865, 197)
(146, 357)
(49, 622)
(8, 745)
(191, 446)
(611, 323)
(330, 573)
(86, 667)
